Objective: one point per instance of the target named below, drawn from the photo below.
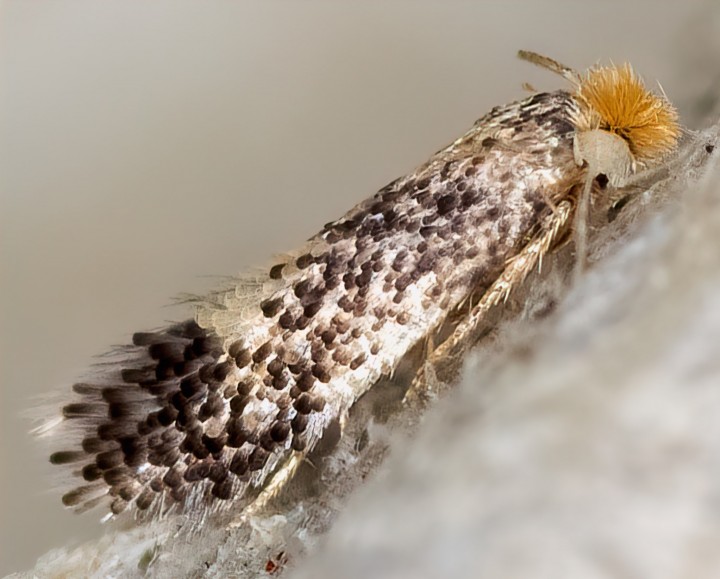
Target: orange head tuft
(615, 99)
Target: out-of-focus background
(145, 147)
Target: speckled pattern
(206, 408)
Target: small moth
(215, 409)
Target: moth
(215, 409)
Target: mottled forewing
(208, 407)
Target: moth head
(605, 153)
(614, 100)
(620, 124)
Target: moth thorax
(605, 153)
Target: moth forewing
(204, 413)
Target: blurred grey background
(145, 147)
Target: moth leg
(644, 180)
(444, 360)
(581, 228)
(420, 392)
(278, 481)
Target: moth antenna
(548, 63)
